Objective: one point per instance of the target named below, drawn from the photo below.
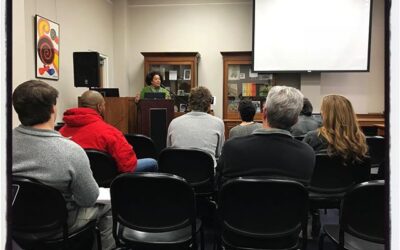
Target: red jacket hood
(77, 117)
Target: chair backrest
(299, 137)
(103, 167)
(152, 202)
(331, 175)
(194, 165)
(142, 145)
(37, 207)
(263, 208)
(376, 149)
(363, 213)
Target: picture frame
(187, 74)
(182, 107)
(47, 48)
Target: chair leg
(321, 241)
(98, 238)
(202, 238)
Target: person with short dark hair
(271, 150)
(247, 111)
(85, 126)
(198, 129)
(154, 80)
(42, 154)
(306, 121)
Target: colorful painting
(47, 48)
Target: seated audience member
(42, 154)
(306, 121)
(197, 129)
(85, 126)
(271, 150)
(247, 111)
(340, 134)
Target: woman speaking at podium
(153, 81)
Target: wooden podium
(154, 117)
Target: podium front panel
(154, 118)
(158, 127)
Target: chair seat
(173, 237)
(351, 242)
(319, 200)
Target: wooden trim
(171, 54)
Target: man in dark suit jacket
(270, 151)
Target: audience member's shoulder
(215, 118)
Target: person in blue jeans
(85, 126)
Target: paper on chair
(104, 195)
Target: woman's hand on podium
(137, 98)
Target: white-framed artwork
(187, 73)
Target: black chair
(332, 178)
(154, 211)
(299, 137)
(142, 145)
(362, 219)
(194, 165)
(103, 167)
(376, 150)
(39, 213)
(258, 213)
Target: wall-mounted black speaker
(86, 69)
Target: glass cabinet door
(179, 72)
(244, 84)
(241, 83)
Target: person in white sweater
(198, 129)
(42, 154)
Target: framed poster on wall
(47, 41)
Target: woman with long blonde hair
(340, 134)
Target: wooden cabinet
(179, 71)
(239, 82)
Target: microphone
(176, 97)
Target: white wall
(209, 27)
(84, 25)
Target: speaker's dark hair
(150, 76)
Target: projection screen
(311, 35)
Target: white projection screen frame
(311, 35)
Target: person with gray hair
(271, 150)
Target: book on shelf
(249, 89)
(232, 89)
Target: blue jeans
(146, 165)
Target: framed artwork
(187, 74)
(47, 43)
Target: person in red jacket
(85, 126)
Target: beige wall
(84, 25)
(209, 27)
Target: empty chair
(154, 211)
(103, 167)
(142, 145)
(194, 165)
(362, 219)
(332, 178)
(39, 212)
(258, 213)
